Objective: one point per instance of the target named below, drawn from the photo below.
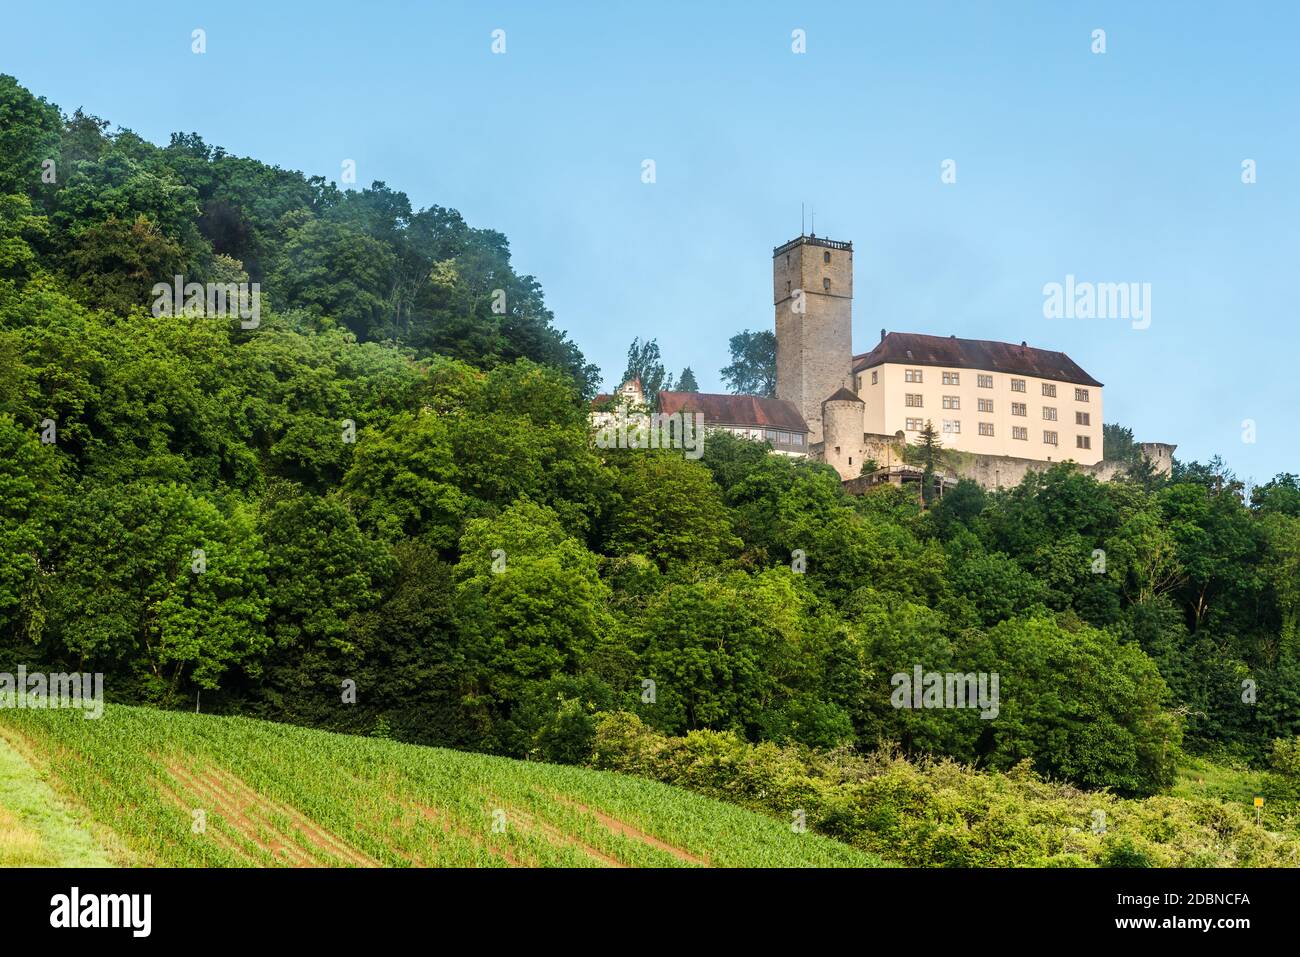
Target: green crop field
(156, 788)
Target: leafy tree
(1282, 569)
(1082, 707)
(645, 364)
(731, 458)
(1216, 546)
(1213, 475)
(29, 135)
(686, 381)
(895, 636)
(153, 576)
(997, 586)
(529, 605)
(720, 652)
(22, 234)
(1144, 553)
(961, 505)
(1279, 494)
(414, 668)
(29, 491)
(404, 480)
(138, 216)
(850, 553)
(1118, 444)
(781, 501)
(670, 511)
(753, 363)
(521, 431)
(119, 261)
(322, 570)
(335, 269)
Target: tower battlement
(812, 241)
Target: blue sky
(1119, 167)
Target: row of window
(775, 436)
(1020, 432)
(914, 400)
(983, 381)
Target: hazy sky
(1117, 167)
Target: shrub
(928, 813)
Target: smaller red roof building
(736, 411)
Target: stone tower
(812, 289)
(842, 415)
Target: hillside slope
(37, 827)
(195, 790)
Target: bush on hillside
(939, 813)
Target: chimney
(882, 335)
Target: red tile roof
(914, 349)
(751, 410)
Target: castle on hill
(1000, 409)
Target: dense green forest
(381, 511)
